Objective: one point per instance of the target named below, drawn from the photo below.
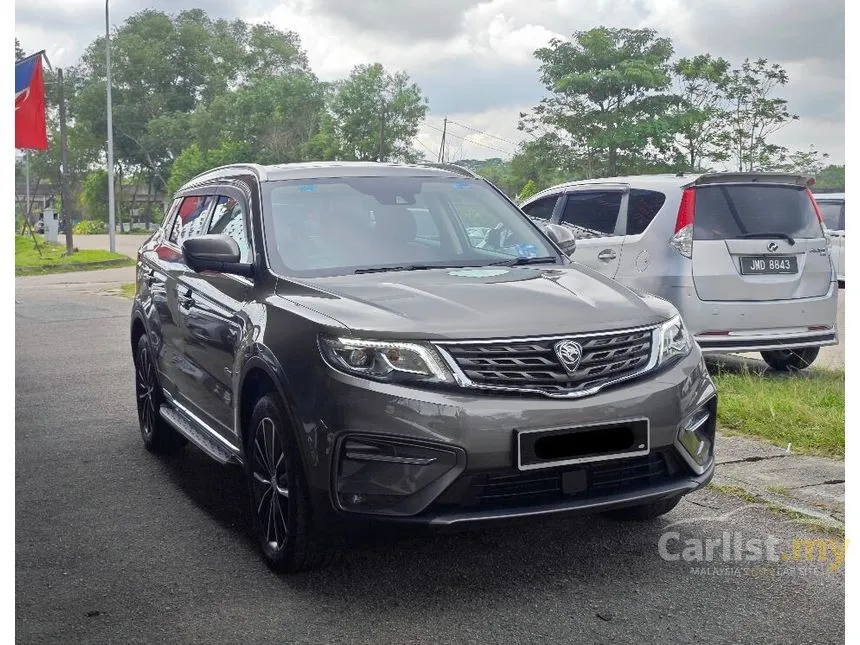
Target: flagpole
(111, 205)
(27, 183)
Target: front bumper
(477, 430)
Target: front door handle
(607, 255)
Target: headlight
(385, 361)
(675, 340)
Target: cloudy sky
(474, 59)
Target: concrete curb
(810, 486)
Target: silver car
(832, 207)
(743, 256)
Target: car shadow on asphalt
(405, 567)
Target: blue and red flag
(30, 130)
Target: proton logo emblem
(773, 247)
(569, 353)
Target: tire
(644, 512)
(280, 502)
(158, 436)
(790, 360)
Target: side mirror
(215, 253)
(562, 236)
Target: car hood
(490, 302)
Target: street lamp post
(111, 206)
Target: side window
(172, 230)
(542, 208)
(592, 213)
(642, 207)
(425, 226)
(190, 218)
(832, 214)
(229, 219)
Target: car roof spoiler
(754, 177)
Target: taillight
(682, 240)
(815, 207)
(687, 209)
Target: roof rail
(451, 167)
(254, 168)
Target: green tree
(94, 196)
(19, 52)
(805, 162)
(192, 161)
(608, 93)
(277, 117)
(165, 67)
(372, 100)
(831, 178)
(527, 191)
(701, 82)
(753, 116)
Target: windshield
(342, 225)
(738, 211)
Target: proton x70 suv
(744, 256)
(341, 332)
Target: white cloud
(474, 58)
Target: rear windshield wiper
(784, 236)
(519, 261)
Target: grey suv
(364, 366)
(743, 256)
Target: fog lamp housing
(695, 439)
(390, 476)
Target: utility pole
(442, 147)
(380, 156)
(111, 205)
(64, 162)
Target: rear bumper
(748, 326)
(774, 339)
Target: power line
(477, 143)
(487, 134)
(425, 146)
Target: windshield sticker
(461, 185)
(308, 188)
(527, 250)
(478, 273)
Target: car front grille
(532, 364)
(499, 489)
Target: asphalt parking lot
(115, 545)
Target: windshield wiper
(519, 261)
(409, 267)
(783, 236)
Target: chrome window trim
(464, 381)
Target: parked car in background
(832, 207)
(743, 256)
(365, 367)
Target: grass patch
(28, 261)
(128, 289)
(806, 410)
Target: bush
(89, 227)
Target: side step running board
(201, 438)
